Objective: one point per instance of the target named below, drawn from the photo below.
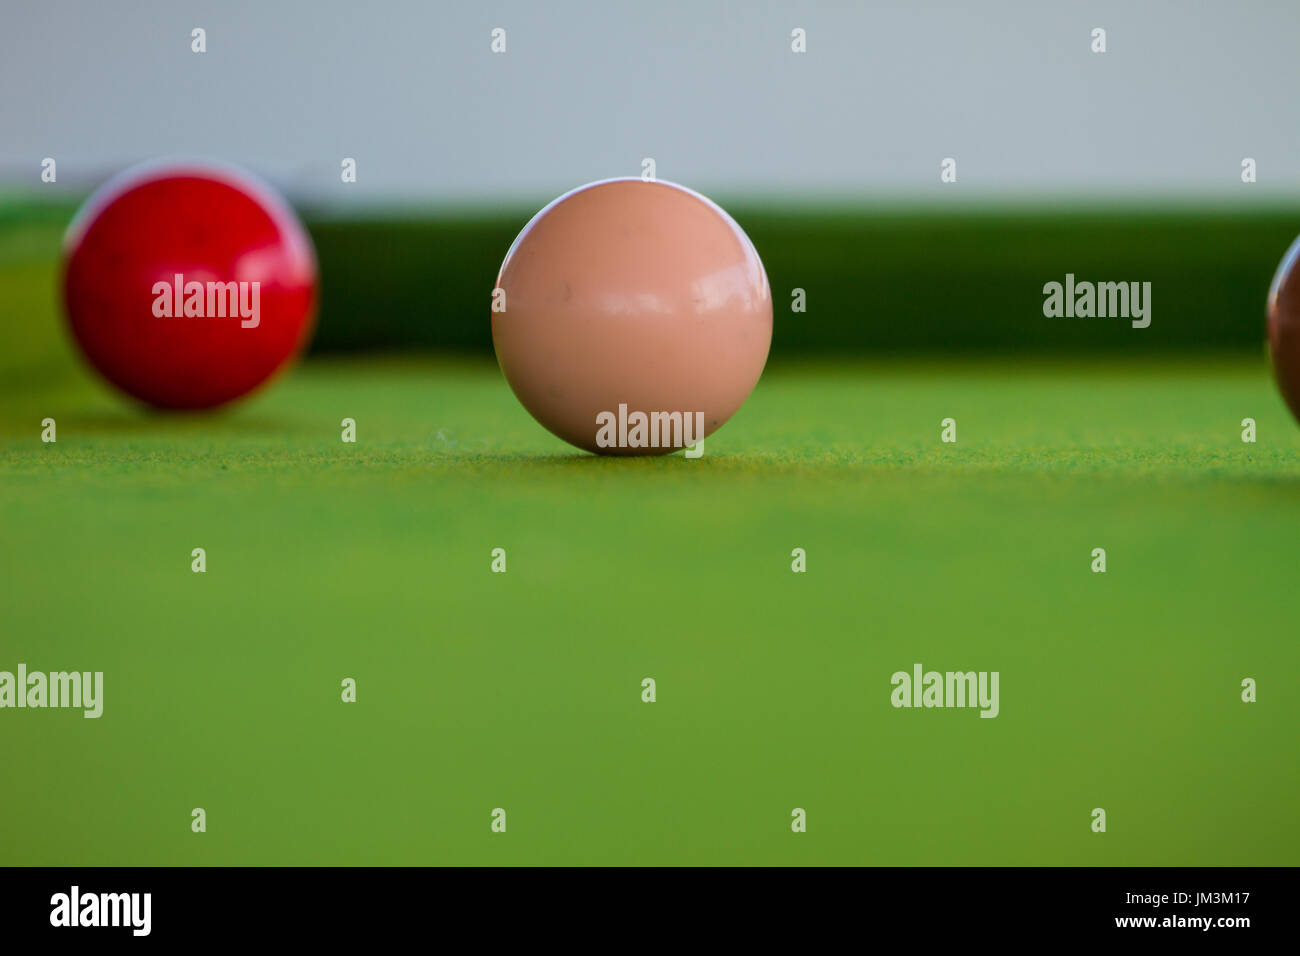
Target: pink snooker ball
(632, 317)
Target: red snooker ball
(188, 285)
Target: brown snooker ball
(1284, 327)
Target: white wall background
(708, 88)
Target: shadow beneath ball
(145, 420)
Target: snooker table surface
(522, 690)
